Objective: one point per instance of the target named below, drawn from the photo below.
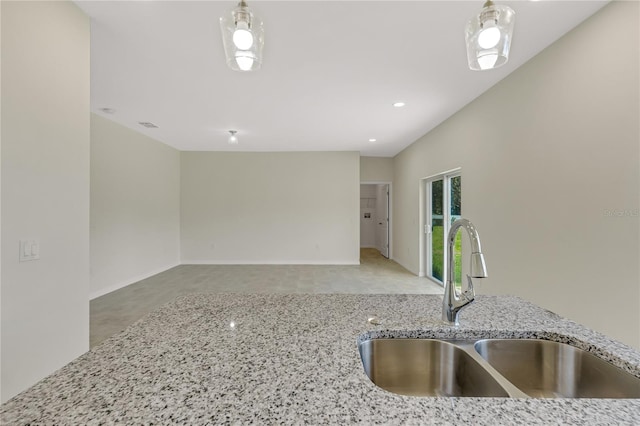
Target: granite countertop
(264, 359)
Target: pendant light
(243, 38)
(233, 139)
(488, 37)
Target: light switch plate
(29, 250)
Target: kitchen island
(293, 359)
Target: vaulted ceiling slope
(331, 70)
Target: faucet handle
(469, 294)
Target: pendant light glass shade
(488, 37)
(243, 38)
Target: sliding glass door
(444, 203)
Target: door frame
(389, 226)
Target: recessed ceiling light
(372, 140)
(147, 124)
(233, 139)
(399, 104)
(108, 110)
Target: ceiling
(331, 70)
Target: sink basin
(425, 367)
(544, 369)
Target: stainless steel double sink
(517, 368)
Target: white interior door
(382, 211)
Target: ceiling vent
(108, 110)
(147, 124)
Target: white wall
(281, 208)
(1, 398)
(546, 156)
(376, 169)
(135, 206)
(45, 189)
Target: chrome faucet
(453, 301)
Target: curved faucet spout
(454, 302)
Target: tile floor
(113, 312)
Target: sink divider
(469, 347)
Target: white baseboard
(114, 287)
(130, 281)
(416, 273)
(269, 262)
